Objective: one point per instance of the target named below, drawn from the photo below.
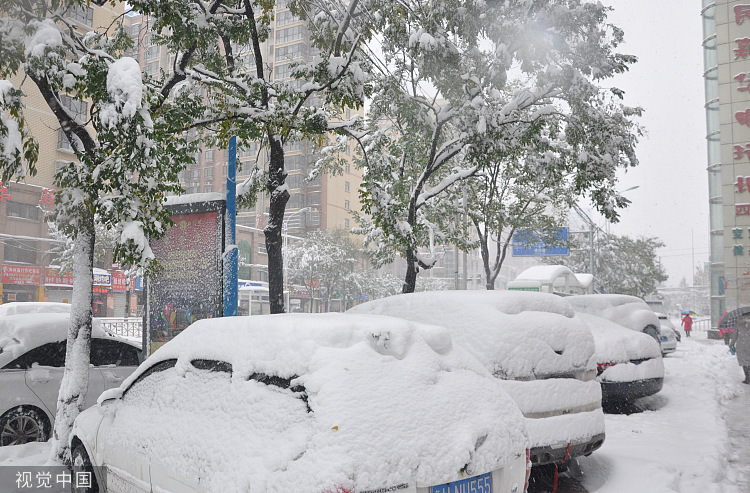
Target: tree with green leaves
(461, 84)
(623, 265)
(141, 130)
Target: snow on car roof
(628, 311)
(617, 344)
(515, 334)
(17, 308)
(22, 332)
(391, 402)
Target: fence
(126, 327)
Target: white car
(32, 363)
(630, 312)
(543, 356)
(629, 364)
(16, 308)
(314, 403)
(667, 323)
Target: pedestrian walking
(687, 323)
(740, 342)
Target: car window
(110, 352)
(50, 354)
(146, 381)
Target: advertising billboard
(528, 243)
(188, 286)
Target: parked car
(32, 362)
(630, 312)
(531, 342)
(20, 308)
(318, 403)
(629, 363)
(666, 322)
(669, 336)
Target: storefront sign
(21, 274)
(119, 284)
(52, 276)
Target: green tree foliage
(463, 84)
(623, 265)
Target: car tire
(23, 425)
(80, 462)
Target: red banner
(21, 274)
(52, 276)
(118, 282)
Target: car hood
(516, 335)
(617, 344)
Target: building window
(62, 141)
(282, 72)
(26, 211)
(288, 53)
(152, 68)
(289, 34)
(16, 251)
(285, 18)
(347, 168)
(296, 201)
(153, 52)
(208, 173)
(82, 14)
(76, 107)
(313, 199)
(313, 218)
(224, 171)
(346, 224)
(262, 248)
(246, 258)
(208, 188)
(346, 204)
(294, 182)
(346, 186)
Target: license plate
(475, 484)
(663, 339)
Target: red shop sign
(27, 275)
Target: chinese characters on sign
(48, 198)
(741, 13)
(4, 195)
(741, 151)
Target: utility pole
(592, 229)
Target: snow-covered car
(629, 364)
(319, 403)
(32, 363)
(669, 336)
(543, 356)
(630, 312)
(666, 322)
(20, 308)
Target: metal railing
(126, 327)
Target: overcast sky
(671, 201)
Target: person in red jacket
(687, 323)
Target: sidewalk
(681, 442)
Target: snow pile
(11, 144)
(680, 443)
(390, 402)
(125, 88)
(44, 35)
(628, 311)
(20, 308)
(517, 335)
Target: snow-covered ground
(682, 441)
(694, 436)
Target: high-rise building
(726, 44)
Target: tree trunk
(72, 396)
(410, 282)
(272, 232)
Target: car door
(45, 366)
(114, 359)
